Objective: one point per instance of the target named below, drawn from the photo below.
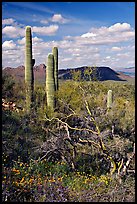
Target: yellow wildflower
(60, 179)
(16, 183)
(31, 180)
(16, 171)
(22, 180)
(21, 164)
(62, 163)
(51, 180)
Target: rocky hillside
(102, 73)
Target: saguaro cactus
(109, 99)
(50, 81)
(55, 54)
(29, 63)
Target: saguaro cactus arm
(55, 54)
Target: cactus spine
(55, 54)
(109, 99)
(50, 81)
(29, 63)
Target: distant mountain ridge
(130, 71)
(102, 73)
(132, 74)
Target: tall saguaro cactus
(50, 81)
(29, 63)
(109, 99)
(55, 54)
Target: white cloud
(116, 48)
(16, 31)
(66, 59)
(49, 30)
(108, 57)
(106, 35)
(13, 32)
(7, 21)
(119, 27)
(44, 21)
(76, 54)
(8, 45)
(13, 57)
(127, 54)
(35, 40)
(88, 35)
(57, 18)
(21, 41)
(99, 46)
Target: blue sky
(86, 33)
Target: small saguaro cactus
(29, 63)
(50, 81)
(55, 54)
(109, 99)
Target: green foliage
(13, 91)
(90, 74)
(121, 115)
(28, 178)
(20, 133)
(8, 83)
(87, 73)
(92, 163)
(40, 100)
(72, 99)
(44, 181)
(76, 75)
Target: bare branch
(73, 128)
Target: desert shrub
(72, 98)
(39, 96)
(37, 155)
(92, 164)
(104, 189)
(19, 94)
(8, 83)
(122, 114)
(20, 134)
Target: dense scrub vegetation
(57, 156)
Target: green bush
(8, 83)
